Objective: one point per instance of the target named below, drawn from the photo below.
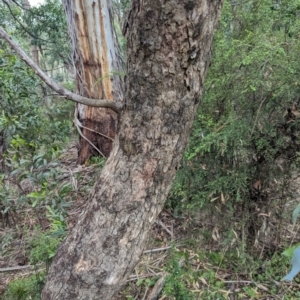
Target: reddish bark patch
(101, 128)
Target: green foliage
(289, 251)
(99, 160)
(33, 131)
(6, 16)
(25, 123)
(47, 28)
(244, 148)
(296, 214)
(43, 248)
(25, 288)
(175, 286)
(148, 282)
(31, 135)
(121, 5)
(209, 274)
(17, 95)
(293, 252)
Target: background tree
(97, 61)
(98, 66)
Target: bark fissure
(164, 81)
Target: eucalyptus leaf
(296, 214)
(289, 252)
(295, 261)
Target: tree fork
(169, 48)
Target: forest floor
(187, 255)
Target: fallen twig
(137, 277)
(157, 249)
(17, 268)
(160, 223)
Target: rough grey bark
(169, 49)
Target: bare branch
(52, 84)
(16, 19)
(17, 268)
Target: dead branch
(17, 268)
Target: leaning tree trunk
(169, 48)
(97, 71)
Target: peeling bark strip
(97, 69)
(169, 48)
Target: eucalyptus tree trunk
(169, 49)
(98, 69)
(33, 48)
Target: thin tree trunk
(33, 48)
(169, 49)
(97, 73)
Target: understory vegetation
(228, 217)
